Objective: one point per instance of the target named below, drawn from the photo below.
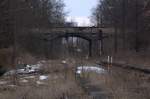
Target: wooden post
(109, 62)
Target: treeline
(130, 20)
(18, 16)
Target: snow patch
(28, 69)
(30, 77)
(11, 85)
(40, 83)
(24, 81)
(3, 82)
(64, 61)
(43, 77)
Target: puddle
(95, 69)
(93, 90)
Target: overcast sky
(79, 10)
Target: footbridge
(94, 35)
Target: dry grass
(123, 84)
(131, 57)
(60, 84)
(54, 88)
(120, 84)
(22, 57)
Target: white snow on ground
(81, 69)
(27, 73)
(11, 85)
(40, 83)
(43, 77)
(26, 70)
(42, 62)
(34, 67)
(64, 61)
(78, 72)
(3, 82)
(30, 77)
(79, 50)
(24, 81)
(11, 72)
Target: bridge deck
(74, 30)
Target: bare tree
(128, 17)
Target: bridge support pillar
(94, 48)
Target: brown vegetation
(123, 84)
(6, 57)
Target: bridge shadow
(68, 46)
